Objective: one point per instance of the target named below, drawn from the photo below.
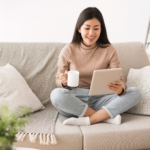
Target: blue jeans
(74, 103)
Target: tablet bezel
(108, 76)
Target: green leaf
(10, 123)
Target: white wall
(54, 20)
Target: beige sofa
(132, 134)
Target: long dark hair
(87, 14)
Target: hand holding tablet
(101, 80)
(116, 87)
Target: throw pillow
(140, 78)
(14, 90)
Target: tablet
(100, 80)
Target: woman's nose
(91, 32)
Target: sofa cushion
(37, 63)
(140, 78)
(14, 91)
(132, 134)
(68, 138)
(131, 55)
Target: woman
(90, 50)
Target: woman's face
(90, 31)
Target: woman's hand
(63, 78)
(116, 87)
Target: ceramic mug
(73, 78)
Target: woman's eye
(88, 29)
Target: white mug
(73, 78)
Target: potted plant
(10, 123)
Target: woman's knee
(136, 92)
(57, 95)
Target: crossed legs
(96, 116)
(109, 112)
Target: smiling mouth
(91, 38)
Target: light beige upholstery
(131, 55)
(132, 134)
(68, 138)
(36, 62)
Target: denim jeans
(74, 103)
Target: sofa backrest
(131, 55)
(37, 62)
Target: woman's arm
(62, 65)
(115, 63)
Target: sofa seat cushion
(68, 138)
(132, 134)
